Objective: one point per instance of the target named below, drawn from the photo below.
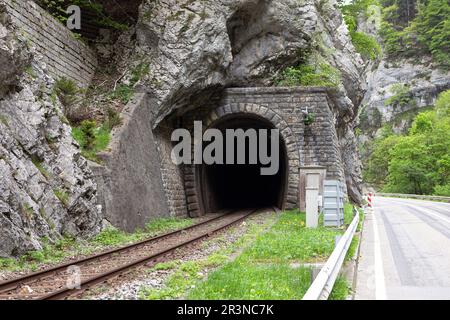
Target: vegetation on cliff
(418, 162)
(411, 28)
(365, 44)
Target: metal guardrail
(413, 196)
(324, 282)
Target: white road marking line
(380, 286)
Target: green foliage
(170, 265)
(63, 196)
(352, 249)
(113, 236)
(57, 8)
(433, 29)
(308, 119)
(321, 75)
(410, 28)
(68, 247)
(423, 123)
(366, 45)
(419, 162)
(51, 253)
(442, 190)
(92, 139)
(377, 166)
(113, 120)
(139, 72)
(39, 165)
(341, 289)
(289, 240)
(123, 93)
(66, 91)
(401, 95)
(443, 104)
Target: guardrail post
(324, 282)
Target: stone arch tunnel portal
(241, 186)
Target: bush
(443, 104)
(366, 45)
(401, 95)
(114, 119)
(92, 139)
(68, 93)
(123, 92)
(66, 90)
(321, 75)
(442, 190)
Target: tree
(418, 162)
(433, 28)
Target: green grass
(241, 280)
(188, 274)
(67, 247)
(263, 270)
(290, 240)
(184, 277)
(50, 253)
(63, 196)
(112, 236)
(341, 289)
(39, 165)
(348, 213)
(123, 93)
(352, 249)
(102, 137)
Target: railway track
(74, 278)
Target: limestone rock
(423, 80)
(46, 188)
(197, 48)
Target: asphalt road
(405, 251)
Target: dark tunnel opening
(242, 186)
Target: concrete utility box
(333, 203)
(312, 203)
(304, 173)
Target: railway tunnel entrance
(242, 186)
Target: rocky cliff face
(422, 84)
(46, 188)
(421, 80)
(197, 48)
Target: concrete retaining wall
(129, 182)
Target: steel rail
(66, 292)
(14, 284)
(17, 282)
